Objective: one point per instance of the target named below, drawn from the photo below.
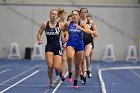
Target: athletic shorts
(88, 41)
(77, 45)
(55, 49)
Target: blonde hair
(54, 10)
(61, 10)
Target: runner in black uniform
(88, 44)
(53, 47)
(53, 39)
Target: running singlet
(75, 37)
(85, 35)
(54, 43)
(87, 38)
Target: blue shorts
(77, 45)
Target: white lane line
(56, 79)
(56, 88)
(113, 68)
(4, 71)
(19, 81)
(25, 85)
(103, 89)
(17, 75)
(46, 91)
(120, 68)
(135, 73)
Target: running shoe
(51, 85)
(57, 72)
(89, 74)
(81, 77)
(84, 80)
(75, 84)
(62, 78)
(75, 87)
(69, 79)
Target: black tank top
(53, 35)
(85, 35)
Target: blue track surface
(28, 76)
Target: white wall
(107, 1)
(70, 1)
(125, 19)
(20, 23)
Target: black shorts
(55, 49)
(88, 41)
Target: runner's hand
(39, 42)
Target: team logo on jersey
(74, 30)
(89, 25)
(57, 30)
(54, 31)
(60, 52)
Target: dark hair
(83, 8)
(68, 17)
(89, 16)
(76, 11)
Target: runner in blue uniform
(75, 44)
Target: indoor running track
(28, 76)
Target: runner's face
(75, 16)
(63, 16)
(83, 13)
(53, 15)
(69, 18)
